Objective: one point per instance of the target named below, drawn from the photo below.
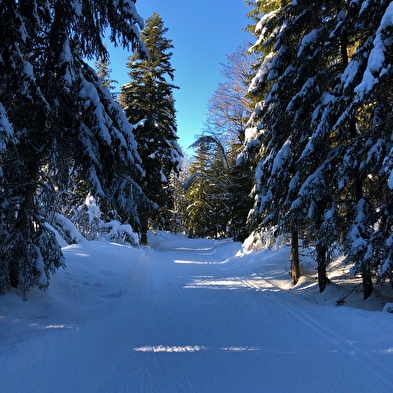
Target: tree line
(64, 136)
(317, 141)
(297, 141)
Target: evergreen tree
(208, 189)
(148, 99)
(104, 72)
(365, 164)
(267, 137)
(240, 185)
(347, 130)
(301, 60)
(198, 220)
(318, 128)
(228, 110)
(69, 124)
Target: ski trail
(336, 340)
(198, 327)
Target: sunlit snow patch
(199, 262)
(163, 348)
(192, 348)
(232, 283)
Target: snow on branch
(376, 66)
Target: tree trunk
(295, 263)
(144, 238)
(23, 227)
(321, 261)
(367, 282)
(144, 228)
(366, 274)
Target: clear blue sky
(202, 33)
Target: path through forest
(189, 316)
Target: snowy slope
(189, 315)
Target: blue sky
(202, 33)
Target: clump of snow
(376, 66)
(87, 224)
(388, 308)
(262, 72)
(308, 40)
(281, 157)
(6, 130)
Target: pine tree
(319, 129)
(70, 124)
(198, 220)
(267, 137)
(366, 161)
(208, 189)
(219, 192)
(240, 185)
(148, 99)
(104, 72)
(346, 129)
(300, 61)
(228, 110)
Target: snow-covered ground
(189, 315)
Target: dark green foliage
(148, 101)
(218, 187)
(202, 215)
(320, 130)
(103, 71)
(66, 128)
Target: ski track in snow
(199, 339)
(379, 369)
(190, 317)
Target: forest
(297, 144)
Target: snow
(6, 131)
(390, 180)
(194, 315)
(281, 157)
(307, 41)
(262, 72)
(375, 66)
(77, 7)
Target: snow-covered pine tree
(339, 120)
(302, 59)
(350, 129)
(69, 122)
(28, 249)
(366, 163)
(148, 99)
(321, 53)
(331, 42)
(268, 135)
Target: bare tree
(229, 108)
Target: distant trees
(58, 124)
(217, 187)
(104, 72)
(320, 129)
(199, 211)
(148, 100)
